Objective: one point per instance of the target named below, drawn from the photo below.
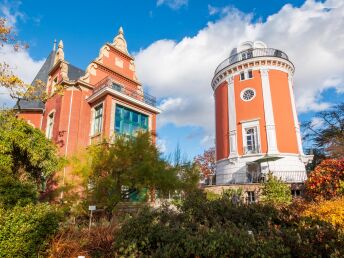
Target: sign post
(91, 208)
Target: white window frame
(94, 117)
(50, 125)
(251, 197)
(116, 102)
(246, 125)
(245, 72)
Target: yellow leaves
(20, 90)
(331, 211)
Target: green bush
(275, 191)
(217, 228)
(26, 231)
(13, 192)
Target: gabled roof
(74, 73)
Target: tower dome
(257, 128)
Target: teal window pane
(144, 122)
(128, 121)
(98, 118)
(126, 115)
(135, 117)
(126, 129)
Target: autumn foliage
(326, 181)
(206, 162)
(331, 211)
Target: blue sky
(197, 33)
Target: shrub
(331, 211)
(72, 241)
(13, 192)
(217, 228)
(26, 231)
(325, 181)
(275, 191)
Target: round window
(248, 94)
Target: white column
(296, 121)
(233, 147)
(269, 114)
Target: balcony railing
(259, 177)
(136, 94)
(251, 53)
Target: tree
(131, 162)
(17, 88)
(206, 163)
(25, 153)
(328, 133)
(326, 181)
(275, 191)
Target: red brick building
(104, 100)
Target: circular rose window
(248, 94)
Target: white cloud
(22, 65)
(317, 122)
(219, 10)
(312, 35)
(173, 4)
(20, 62)
(10, 11)
(162, 145)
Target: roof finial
(54, 47)
(60, 44)
(119, 41)
(59, 56)
(120, 30)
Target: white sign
(92, 208)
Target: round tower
(256, 123)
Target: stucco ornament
(104, 51)
(59, 56)
(119, 42)
(132, 68)
(90, 70)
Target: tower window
(50, 125)
(251, 139)
(98, 119)
(242, 76)
(248, 94)
(249, 74)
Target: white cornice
(233, 70)
(107, 90)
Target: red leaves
(206, 162)
(325, 180)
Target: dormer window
(116, 87)
(54, 83)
